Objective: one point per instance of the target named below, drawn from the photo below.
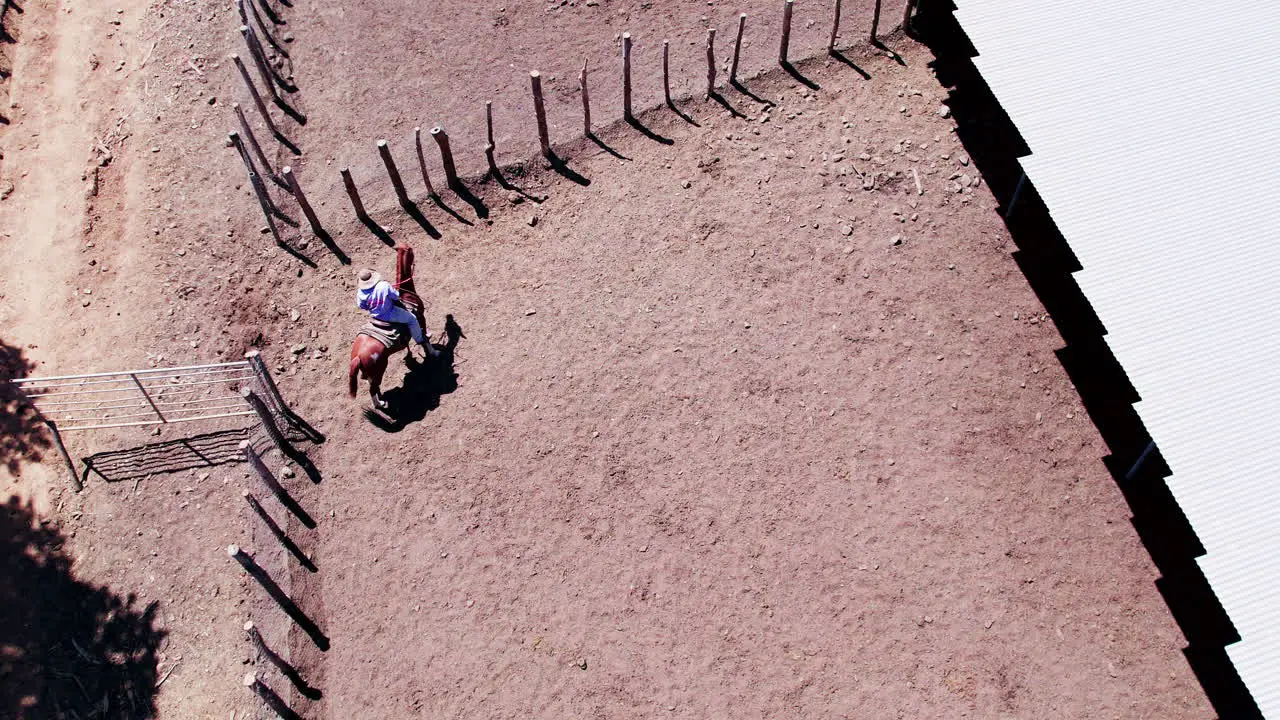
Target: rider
(383, 303)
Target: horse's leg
(379, 366)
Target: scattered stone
(846, 230)
(286, 472)
(533, 220)
(529, 312)
(515, 198)
(294, 315)
(686, 184)
(298, 349)
(582, 663)
(964, 160)
(895, 240)
(944, 112)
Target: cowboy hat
(369, 278)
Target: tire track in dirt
(67, 181)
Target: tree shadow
(796, 75)
(561, 166)
(23, 436)
(68, 649)
(425, 383)
(645, 131)
(841, 57)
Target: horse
(369, 355)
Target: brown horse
(368, 355)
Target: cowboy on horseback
(382, 302)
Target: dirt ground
(743, 424)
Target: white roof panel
(1151, 130)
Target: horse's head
(404, 267)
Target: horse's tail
(353, 375)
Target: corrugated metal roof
(1154, 130)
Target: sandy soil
(713, 444)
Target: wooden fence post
(875, 22)
(666, 73)
(786, 32)
(264, 201)
(66, 456)
(835, 30)
(260, 61)
(422, 161)
(307, 210)
(737, 48)
(544, 141)
(489, 146)
(272, 484)
(354, 194)
(586, 100)
(278, 532)
(257, 98)
(268, 423)
(285, 602)
(269, 696)
(711, 62)
(394, 173)
(253, 145)
(908, 14)
(284, 666)
(626, 77)
(446, 156)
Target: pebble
(533, 220)
(964, 160)
(944, 112)
(286, 472)
(846, 230)
(295, 316)
(686, 184)
(298, 349)
(529, 312)
(895, 240)
(515, 198)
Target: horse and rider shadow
(424, 384)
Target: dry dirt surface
(745, 423)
